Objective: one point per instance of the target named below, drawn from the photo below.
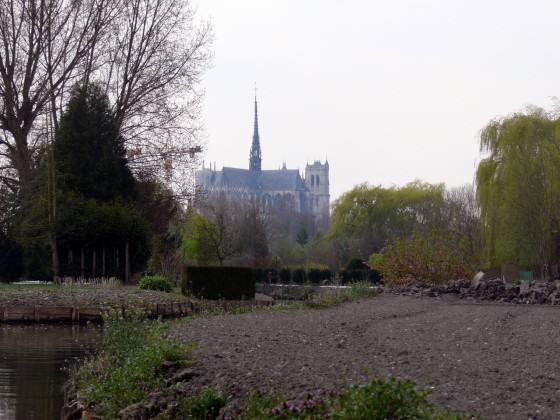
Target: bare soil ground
(51, 295)
(496, 360)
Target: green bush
(230, 283)
(155, 283)
(376, 400)
(375, 261)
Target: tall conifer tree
(89, 150)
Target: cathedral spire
(255, 155)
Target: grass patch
(362, 290)
(205, 406)
(127, 366)
(376, 400)
(330, 297)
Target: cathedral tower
(317, 181)
(255, 154)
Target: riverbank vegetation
(376, 400)
(128, 365)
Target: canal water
(33, 359)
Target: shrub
(433, 257)
(375, 261)
(356, 264)
(155, 283)
(230, 283)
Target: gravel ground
(499, 361)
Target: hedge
(317, 275)
(296, 275)
(230, 283)
(349, 276)
(314, 275)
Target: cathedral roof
(267, 180)
(280, 180)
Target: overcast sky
(389, 90)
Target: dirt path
(499, 361)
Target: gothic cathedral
(308, 195)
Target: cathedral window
(317, 179)
(312, 180)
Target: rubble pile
(487, 289)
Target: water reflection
(31, 361)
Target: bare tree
(153, 60)
(43, 44)
(149, 54)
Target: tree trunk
(82, 264)
(93, 264)
(117, 262)
(70, 266)
(127, 263)
(104, 272)
(54, 256)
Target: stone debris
(482, 288)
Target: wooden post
(83, 264)
(127, 263)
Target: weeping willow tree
(518, 189)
